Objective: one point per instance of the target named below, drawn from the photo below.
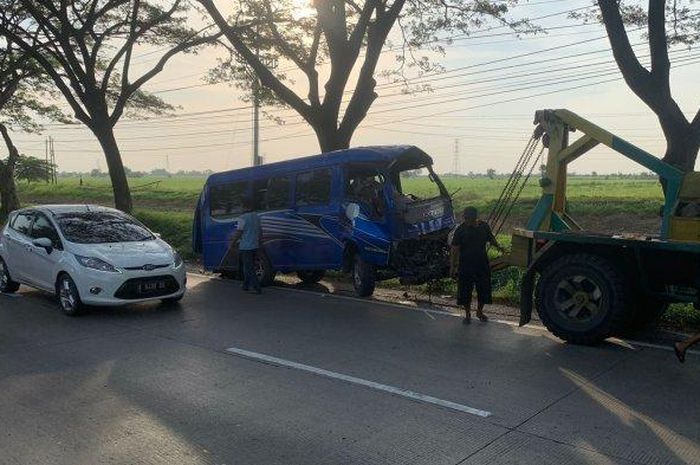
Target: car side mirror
(158, 235)
(45, 243)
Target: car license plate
(151, 286)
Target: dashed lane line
(412, 395)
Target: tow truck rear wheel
(311, 276)
(581, 298)
(363, 276)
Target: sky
(478, 116)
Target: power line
(689, 61)
(448, 39)
(247, 107)
(554, 80)
(304, 133)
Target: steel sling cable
(512, 183)
(518, 166)
(520, 191)
(513, 186)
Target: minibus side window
(226, 200)
(366, 186)
(313, 188)
(277, 195)
(260, 194)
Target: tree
(24, 91)
(652, 85)
(346, 35)
(8, 190)
(32, 169)
(491, 173)
(87, 48)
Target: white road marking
(650, 345)
(362, 382)
(14, 296)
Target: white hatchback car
(88, 255)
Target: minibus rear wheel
(363, 276)
(311, 276)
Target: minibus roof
(409, 155)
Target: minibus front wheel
(263, 268)
(364, 276)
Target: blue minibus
(351, 210)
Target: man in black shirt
(469, 248)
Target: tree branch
(267, 78)
(632, 69)
(658, 45)
(129, 47)
(312, 75)
(653, 89)
(132, 39)
(13, 154)
(127, 92)
(48, 67)
(364, 94)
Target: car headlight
(178, 260)
(96, 264)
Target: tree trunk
(120, 185)
(330, 138)
(9, 200)
(682, 150)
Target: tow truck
(588, 286)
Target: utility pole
(456, 167)
(256, 110)
(46, 158)
(52, 166)
(167, 163)
(256, 125)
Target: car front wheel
(7, 285)
(68, 297)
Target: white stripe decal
(287, 220)
(290, 225)
(292, 232)
(362, 382)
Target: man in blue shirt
(248, 235)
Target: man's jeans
(250, 279)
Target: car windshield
(101, 228)
(418, 184)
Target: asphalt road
(297, 378)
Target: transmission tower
(456, 164)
